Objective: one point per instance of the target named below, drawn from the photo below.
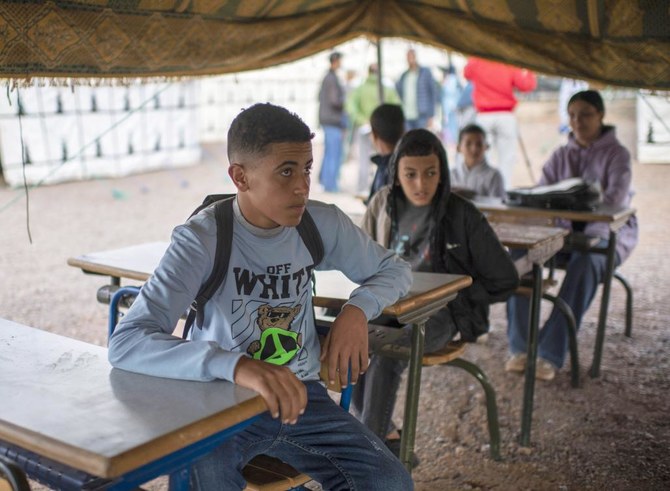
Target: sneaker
(544, 370)
(516, 363)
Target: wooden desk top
(520, 236)
(612, 215)
(134, 262)
(332, 287)
(542, 243)
(60, 398)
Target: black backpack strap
(209, 200)
(223, 212)
(311, 237)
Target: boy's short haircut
(471, 128)
(262, 124)
(388, 122)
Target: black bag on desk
(569, 194)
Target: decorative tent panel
(620, 42)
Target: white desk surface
(60, 398)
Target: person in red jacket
(493, 98)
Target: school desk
(615, 217)
(61, 399)
(429, 293)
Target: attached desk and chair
(332, 290)
(429, 293)
(71, 420)
(614, 217)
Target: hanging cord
(23, 166)
(77, 154)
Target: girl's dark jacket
(471, 248)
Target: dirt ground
(612, 433)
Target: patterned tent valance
(620, 42)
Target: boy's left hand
(347, 342)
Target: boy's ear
(238, 176)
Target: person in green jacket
(359, 106)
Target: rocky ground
(612, 433)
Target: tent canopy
(619, 42)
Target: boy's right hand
(282, 391)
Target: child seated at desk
(437, 231)
(270, 154)
(594, 153)
(388, 124)
(472, 176)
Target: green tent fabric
(619, 42)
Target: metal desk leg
(533, 327)
(412, 398)
(604, 305)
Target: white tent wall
(84, 132)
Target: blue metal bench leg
(13, 474)
(629, 303)
(491, 405)
(114, 305)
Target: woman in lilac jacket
(593, 153)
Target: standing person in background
(349, 79)
(464, 107)
(418, 92)
(360, 103)
(493, 97)
(450, 94)
(333, 122)
(594, 154)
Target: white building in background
(653, 127)
(100, 132)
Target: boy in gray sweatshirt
(268, 285)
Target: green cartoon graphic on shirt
(278, 344)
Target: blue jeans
(332, 157)
(584, 272)
(327, 443)
(374, 396)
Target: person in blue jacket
(418, 92)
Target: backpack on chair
(223, 213)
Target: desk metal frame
(614, 217)
(541, 244)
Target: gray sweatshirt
(263, 309)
